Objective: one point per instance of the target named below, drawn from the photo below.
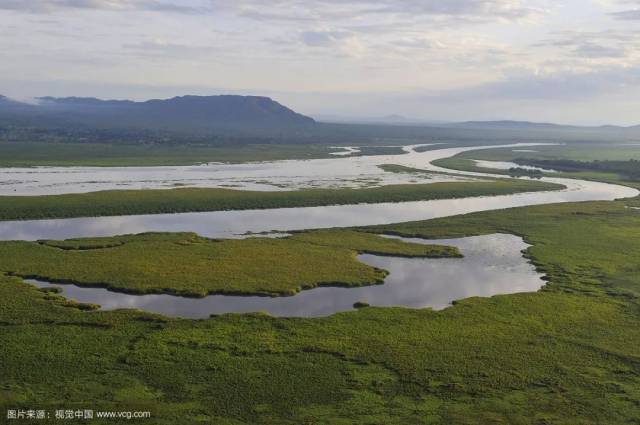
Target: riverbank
(164, 201)
(567, 354)
(465, 364)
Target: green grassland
(569, 354)
(574, 152)
(401, 169)
(31, 154)
(185, 264)
(461, 163)
(585, 154)
(127, 202)
(114, 155)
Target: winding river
(492, 264)
(233, 224)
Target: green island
(568, 354)
(401, 169)
(127, 202)
(188, 265)
(465, 162)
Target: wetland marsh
(532, 284)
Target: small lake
(492, 265)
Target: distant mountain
(512, 125)
(82, 102)
(6, 102)
(230, 120)
(393, 119)
(183, 114)
(527, 125)
(549, 129)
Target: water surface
(233, 224)
(492, 265)
(346, 171)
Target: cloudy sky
(569, 61)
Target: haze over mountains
(257, 115)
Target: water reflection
(492, 265)
(232, 224)
(360, 171)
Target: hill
(184, 113)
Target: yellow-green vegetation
(558, 153)
(571, 151)
(395, 168)
(563, 241)
(402, 169)
(25, 154)
(32, 154)
(569, 354)
(186, 264)
(368, 243)
(128, 202)
(461, 163)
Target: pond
(492, 265)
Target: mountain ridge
(180, 113)
(192, 117)
(265, 104)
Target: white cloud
(458, 52)
(47, 6)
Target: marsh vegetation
(462, 365)
(129, 202)
(567, 354)
(189, 265)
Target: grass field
(126, 202)
(588, 154)
(113, 155)
(577, 152)
(461, 163)
(566, 355)
(569, 354)
(185, 264)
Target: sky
(567, 61)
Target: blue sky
(563, 61)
